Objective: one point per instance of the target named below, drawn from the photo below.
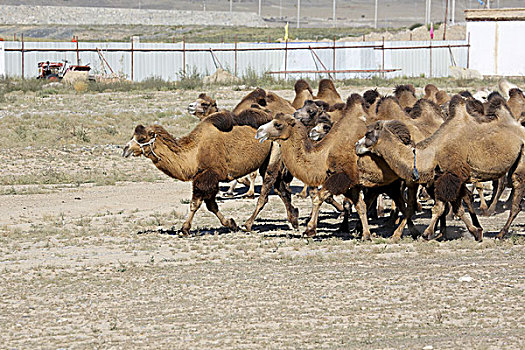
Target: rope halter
(415, 172)
(149, 143)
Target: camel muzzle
(126, 152)
(192, 108)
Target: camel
(203, 106)
(217, 149)
(406, 95)
(303, 92)
(516, 103)
(330, 163)
(266, 100)
(328, 93)
(466, 148)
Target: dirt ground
(97, 262)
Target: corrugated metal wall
(168, 65)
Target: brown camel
(303, 92)
(466, 148)
(406, 95)
(215, 150)
(203, 106)
(330, 163)
(516, 103)
(328, 93)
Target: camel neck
(305, 161)
(175, 159)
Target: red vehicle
(55, 71)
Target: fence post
(131, 58)
(430, 54)
(78, 56)
(235, 55)
(383, 59)
(285, 58)
(468, 51)
(184, 55)
(22, 38)
(333, 59)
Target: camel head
(203, 106)
(308, 113)
(383, 132)
(323, 127)
(482, 95)
(280, 128)
(142, 142)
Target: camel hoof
(366, 236)
(184, 231)
(295, 219)
(303, 196)
(232, 225)
(249, 196)
(395, 238)
(247, 227)
(501, 234)
(309, 233)
(228, 194)
(478, 235)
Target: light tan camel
(466, 148)
(215, 150)
(330, 163)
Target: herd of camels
(361, 148)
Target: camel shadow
(172, 231)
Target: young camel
(203, 106)
(466, 148)
(215, 150)
(330, 163)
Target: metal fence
(170, 61)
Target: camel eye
(278, 126)
(326, 128)
(311, 111)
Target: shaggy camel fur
(215, 150)
(330, 163)
(265, 100)
(406, 95)
(203, 106)
(303, 92)
(466, 148)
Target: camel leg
(497, 191)
(437, 211)
(282, 188)
(408, 211)
(318, 199)
(230, 192)
(508, 203)
(274, 172)
(467, 199)
(518, 184)
(212, 206)
(458, 209)
(330, 200)
(380, 206)
(195, 204)
(304, 192)
(483, 203)
(356, 197)
(251, 190)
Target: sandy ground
(101, 266)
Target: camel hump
(399, 129)
(405, 88)
(465, 94)
(223, 121)
(354, 99)
(370, 96)
(431, 88)
(515, 92)
(257, 96)
(423, 104)
(495, 95)
(301, 85)
(475, 108)
(252, 117)
(496, 107)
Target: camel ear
(151, 133)
(202, 95)
(140, 129)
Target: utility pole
(375, 15)
(259, 8)
(445, 23)
(298, 12)
(333, 13)
(428, 12)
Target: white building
(497, 39)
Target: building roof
(509, 14)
